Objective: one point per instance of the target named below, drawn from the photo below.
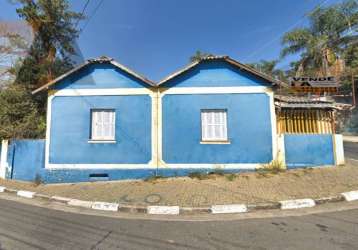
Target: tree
(199, 55)
(326, 38)
(22, 115)
(351, 56)
(53, 25)
(19, 117)
(12, 46)
(269, 68)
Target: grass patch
(274, 167)
(230, 177)
(154, 178)
(199, 175)
(205, 176)
(38, 180)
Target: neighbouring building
(106, 122)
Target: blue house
(106, 122)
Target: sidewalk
(350, 138)
(216, 189)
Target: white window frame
(102, 136)
(209, 126)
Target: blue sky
(157, 37)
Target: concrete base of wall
(89, 175)
(24, 160)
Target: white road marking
(300, 203)
(229, 209)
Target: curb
(176, 210)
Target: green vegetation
(199, 55)
(199, 175)
(212, 175)
(22, 115)
(329, 36)
(329, 41)
(276, 166)
(154, 178)
(269, 68)
(230, 177)
(19, 116)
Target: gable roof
(230, 61)
(102, 59)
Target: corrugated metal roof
(102, 59)
(283, 101)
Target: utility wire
(289, 28)
(83, 11)
(92, 15)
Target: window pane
(213, 124)
(103, 125)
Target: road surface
(351, 151)
(24, 226)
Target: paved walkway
(350, 138)
(214, 189)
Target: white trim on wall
(273, 126)
(156, 121)
(338, 149)
(3, 158)
(48, 130)
(103, 92)
(215, 90)
(146, 166)
(100, 166)
(96, 92)
(216, 166)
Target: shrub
(154, 178)
(198, 175)
(230, 177)
(275, 166)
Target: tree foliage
(329, 34)
(22, 115)
(19, 117)
(53, 25)
(199, 55)
(269, 68)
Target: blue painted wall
(72, 176)
(308, 150)
(71, 125)
(100, 75)
(26, 159)
(249, 129)
(216, 74)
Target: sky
(157, 37)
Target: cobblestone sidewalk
(216, 189)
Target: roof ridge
(229, 60)
(101, 59)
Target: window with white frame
(103, 124)
(214, 125)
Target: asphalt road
(351, 151)
(23, 226)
